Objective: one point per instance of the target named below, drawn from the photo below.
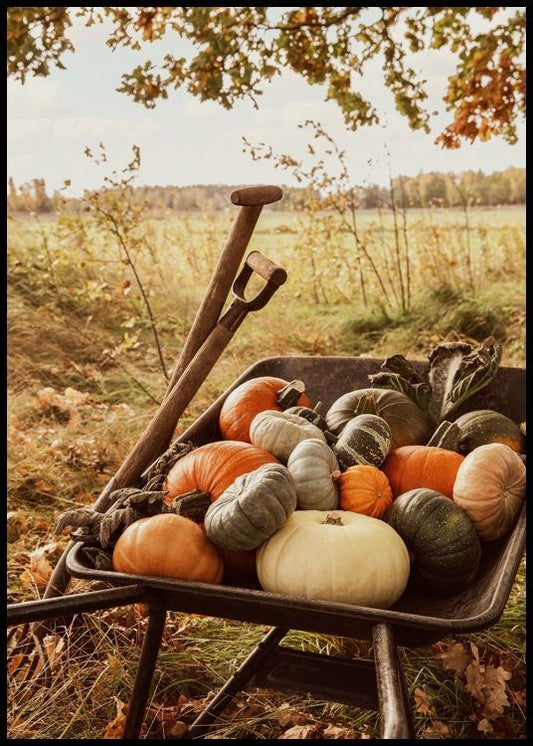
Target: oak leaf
(300, 731)
(423, 702)
(338, 732)
(455, 657)
(487, 684)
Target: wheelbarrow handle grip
(253, 196)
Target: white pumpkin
(279, 432)
(337, 556)
(490, 486)
(315, 471)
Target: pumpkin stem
(191, 505)
(335, 475)
(333, 520)
(447, 435)
(289, 394)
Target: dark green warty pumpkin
(442, 540)
(482, 426)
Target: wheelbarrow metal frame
(415, 622)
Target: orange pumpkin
(213, 467)
(410, 467)
(170, 546)
(254, 396)
(365, 489)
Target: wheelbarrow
(416, 619)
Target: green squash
(365, 439)
(482, 426)
(315, 471)
(442, 540)
(408, 423)
(311, 415)
(251, 509)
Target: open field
(96, 317)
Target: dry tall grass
(84, 380)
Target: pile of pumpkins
(347, 507)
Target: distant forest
(469, 188)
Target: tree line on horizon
(432, 189)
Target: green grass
(69, 311)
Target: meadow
(99, 306)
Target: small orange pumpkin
(212, 467)
(365, 489)
(413, 466)
(170, 546)
(254, 396)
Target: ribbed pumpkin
(482, 426)
(315, 471)
(279, 432)
(169, 546)
(491, 487)
(408, 423)
(365, 489)
(410, 467)
(442, 541)
(336, 556)
(212, 467)
(365, 439)
(253, 396)
(251, 509)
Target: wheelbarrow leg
(396, 716)
(145, 670)
(240, 679)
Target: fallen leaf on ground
(287, 715)
(485, 726)
(423, 702)
(37, 574)
(454, 657)
(338, 732)
(487, 684)
(300, 731)
(437, 727)
(519, 698)
(115, 728)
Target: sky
(183, 141)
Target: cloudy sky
(184, 141)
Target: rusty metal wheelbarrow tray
(416, 620)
